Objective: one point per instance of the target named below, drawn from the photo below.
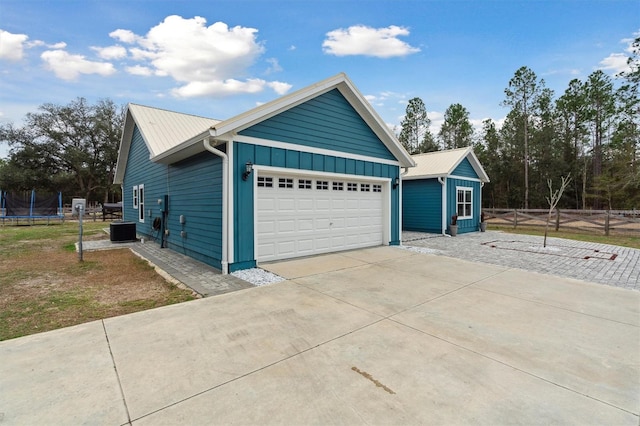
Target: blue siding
(260, 155)
(195, 192)
(467, 225)
(465, 169)
(194, 187)
(140, 170)
(327, 121)
(422, 205)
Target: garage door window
(338, 186)
(265, 182)
(365, 187)
(377, 188)
(351, 186)
(285, 183)
(322, 185)
(304, 184)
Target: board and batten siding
(465, 169)
(194, 187)
(328, 122)
(422, 205)
(304, 161)
(465, 225)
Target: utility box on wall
(122, 232)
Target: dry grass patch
(43, 286)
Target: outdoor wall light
(396, 183)
(248, 168)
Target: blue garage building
(441, 185)
(312, 172)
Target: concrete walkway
(601, 263)
(376, 336)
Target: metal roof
(163, 130)
(443, 163)
(172, 136)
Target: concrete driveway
(375, 336)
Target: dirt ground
(43, 286)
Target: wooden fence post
(557, 219)
(515, 218)
(606, 224)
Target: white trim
(303, 172)
(464, 178)
(141, 212)
(312, 150)
(464, 188)
(230, 199)
(134, 194)
(386, 195)
(399, 209)
(444, 218)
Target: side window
(141, 203)
(135, 197)
(464, 202)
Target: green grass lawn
(44, 286)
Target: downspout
(443, 182)
(225, 196)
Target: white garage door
(301, 216)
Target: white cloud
(139, 70)
(279, 87)
(219, 88)
(111, 52)
(617, 62)
(363, 40)
(12, 46)
(124, 36)
(68, 67)
(206, 60)
(274, 66)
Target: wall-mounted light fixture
(396, 183)
(248, 168)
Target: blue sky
(218, 58)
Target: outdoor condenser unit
(122, 232)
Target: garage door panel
(304, 218)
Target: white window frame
(141, 203)
(465, 189)
(135, 197)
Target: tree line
(69, 148)
(591, 133)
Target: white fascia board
(123, 150)
(187, 148)
(434, 176)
